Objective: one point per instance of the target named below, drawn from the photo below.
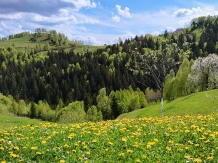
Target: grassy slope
(196, 103)
(7, 121)
(22, 42)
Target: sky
(99, 22)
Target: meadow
(189, 138)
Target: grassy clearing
(196, 103)
(167, 139)
(8, 121)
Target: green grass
(196, 103)
(7, 121)
(166, 139)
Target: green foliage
(103, 103)
(6, 104)
(73, 113)
(176, 86)
(93, 114)
(124, 101)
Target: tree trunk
(162, 104)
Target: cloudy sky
(101, 21)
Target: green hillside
(196, 103)
(26, 40)
(7, 121)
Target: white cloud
(124, 13)
(11, 16)
(183, 12)
(185, 15)
(82, 28)
(55, 19)
(116, 18)
(82, 3)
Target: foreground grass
(168, 139)
(196, 103)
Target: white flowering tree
(204, 73)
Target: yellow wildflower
(34, 148)
(62, 161)
(121, 154)
(66, 145)
(197, 160)
(43, 142)
(124, 139)
(129, 151)
(137, 160)
(94, 141)
(88, 153)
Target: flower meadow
(150, 139)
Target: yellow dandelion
(129, 151)
(16, 148)
(168, 149)
(80, 158)
(34, 148)
(14, 155)
(66, 145)
(196, 145)
(144, 156)
(38, 153)
(3, 161)
(94, 141)
(197, 160)
(74, 151)
(124, 139)
(187, 131)
(110, 143)
(121, 154)
(138, 160)
(210, 158)
(43, 142)
(62, 161)
(156, 140)
(106, 149)
(85, 147)
(88, 153)
(1, 149)
(148, 146)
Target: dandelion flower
(137, 160)
(43, 142)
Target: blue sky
(101, 22)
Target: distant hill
(47, 40)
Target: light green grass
(196, 103)
(7, 121)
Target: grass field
(196, 103)
(7, 121)
(172, 138)
(166, 139)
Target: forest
(59, 84)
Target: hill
(45, 41)
(45, 67)
(197, 103)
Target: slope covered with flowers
(167, 139)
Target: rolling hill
(196, 103)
